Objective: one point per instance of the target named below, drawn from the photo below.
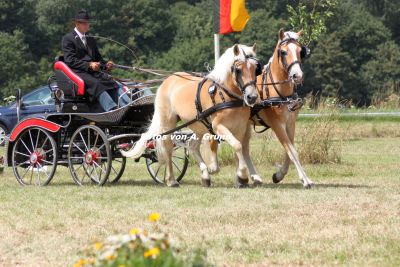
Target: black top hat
(82, 16)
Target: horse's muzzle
(251, 99)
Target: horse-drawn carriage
(224, 102)
(83, 138)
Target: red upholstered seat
(78, 83)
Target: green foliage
(382, 72)
(311, 17)
(348, 39)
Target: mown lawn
(351, 217)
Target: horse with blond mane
(279, 106)
(186, 98)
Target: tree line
(357, 58)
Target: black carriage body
(79, 135)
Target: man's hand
(95, 66)
(109, 65)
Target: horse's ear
(236, 50)
(300, 32)
(254, 47)
(281, 34)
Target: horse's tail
(154, 129)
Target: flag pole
(216, 46)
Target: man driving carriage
(83, 57)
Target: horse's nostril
(251, 98)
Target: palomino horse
(178, 98)
(277, 82)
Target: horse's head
(290, 54)
(237, 67)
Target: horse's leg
(165, 148)
(195, 149)
(282, 134)
(212, 151)
(246, 154)
(168, 147)
(242, 170)
(282, 170)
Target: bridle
(305, 51)
(238, 74)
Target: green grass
(352, 217)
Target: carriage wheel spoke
(78, 148)
(16, 152)
(30, 136)
(80, 166)
(37, 139)
(95, 140)
(25, 162)
(112, 168)
(97, 176)
(26, 171)
(159, 167)
(88, 136)
(31, 174)
(45, 141)
(48, 162)
(38, 176)
(25, 146)
(80, 134)
(84, 173)
(176, 166)
(99, 148)
(45, 172)
(95, 163)
(48, 151)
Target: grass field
(351, 217)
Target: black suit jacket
(76, 55)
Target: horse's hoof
(275, 179)
(240, 186)
(213, 171)
(309, 186)
(206, 182)
(257, 183)
(174, 184)
(242, 183)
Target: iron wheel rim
(34, 155)
(90, 150)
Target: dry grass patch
(352, 217)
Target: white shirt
(82, 36)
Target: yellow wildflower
(121, 265)
(152, 253)
(110, 257)
(80, 263)
(134, 231)
(154, 217)
(98, 245)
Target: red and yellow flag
(230, 16)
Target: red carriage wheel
(89, 156)
(34, 157)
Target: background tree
(355, 56)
